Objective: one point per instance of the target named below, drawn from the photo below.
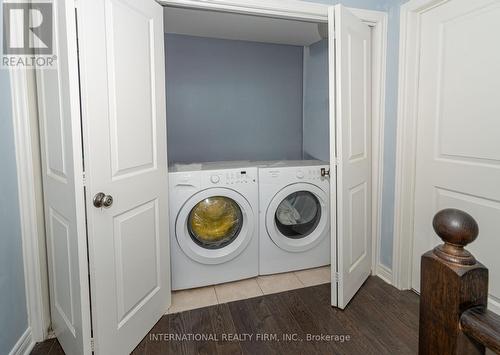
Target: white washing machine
(213, 223)
(294, 216)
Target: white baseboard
(384, 273)
(51, 334)
(24, 345)
(494, 304)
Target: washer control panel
(233, 177)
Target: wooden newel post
(451, 282)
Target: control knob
(214, 179)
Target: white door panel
(458, 145)
(62, 170)
(123, 81)
(350, 112)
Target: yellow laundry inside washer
(215, 219)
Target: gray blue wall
(233, 100)
(316, 141)
(13, 314)
(392, 7)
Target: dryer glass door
(298, 214)
(215, 222)
(297, 217)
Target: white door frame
(35, 305)
(377, 20)
(406, 149)
(289, 9)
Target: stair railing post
(451, 281)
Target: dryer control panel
(312, 173)
(306, 173)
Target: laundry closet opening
(244, 87)
(247, 107)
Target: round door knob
(103, 200)
(214, 179)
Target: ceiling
(226, 25)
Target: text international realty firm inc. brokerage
(231, 337)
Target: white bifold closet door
(350, 140)
(103, 128)
(122, 73)
(62, 175)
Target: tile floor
(233, 291)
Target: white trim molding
(291, 9)
(24, 345)
(27, 205)
(409, 49)
(384, 273)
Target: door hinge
(92, 347)
(84, 179)
(336, 277)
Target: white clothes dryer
(294, 216)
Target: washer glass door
(215, 225)
(215, 222)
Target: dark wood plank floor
(379, 320)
